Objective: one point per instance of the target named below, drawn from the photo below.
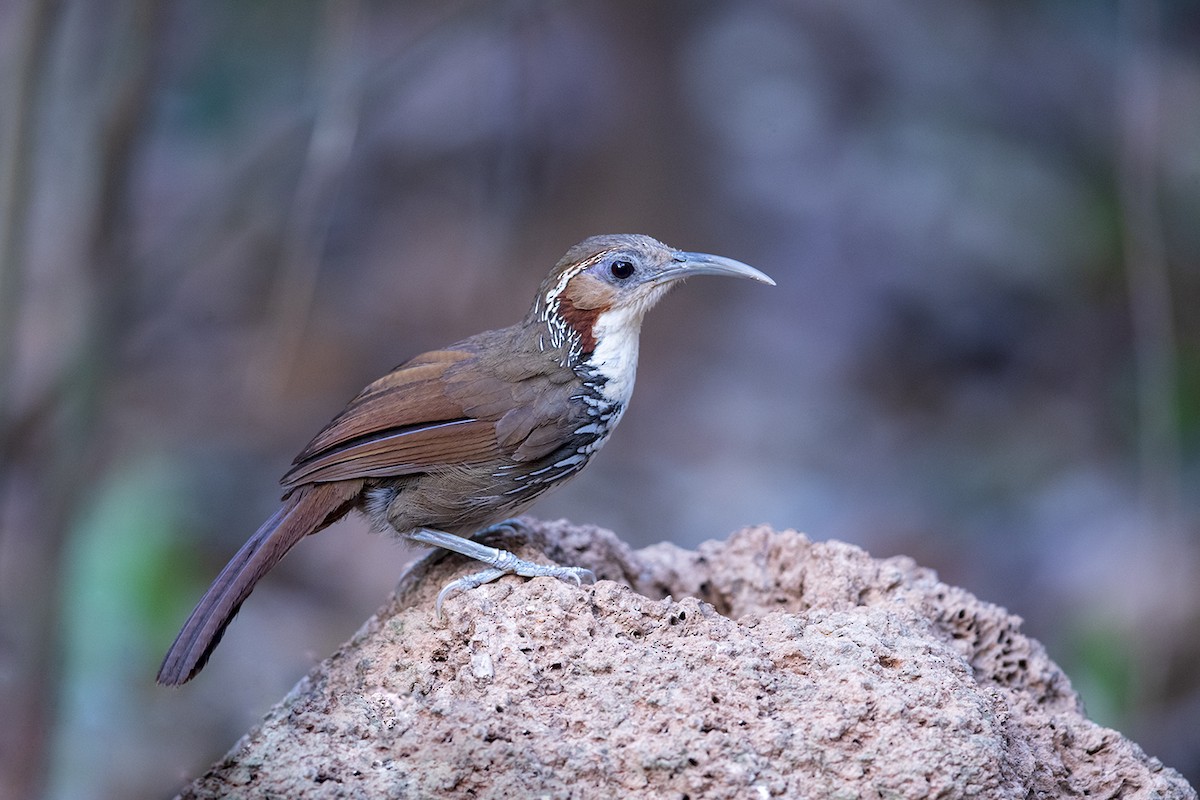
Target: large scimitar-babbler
(447, 444)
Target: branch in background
(24, 722)
(339, 98)
(16, 183)
(1155, 348)
(1140, 123)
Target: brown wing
(401, 424)
(527, 395)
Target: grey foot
(526, 569)
(500, 562)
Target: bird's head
(606, 284)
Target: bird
(449, 446)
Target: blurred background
(219, 220)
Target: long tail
(307, 510)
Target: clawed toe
(500, 562)
(466, 583)
(578, 574)
(525, 569)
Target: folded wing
(402, 424)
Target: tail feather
(306, 511)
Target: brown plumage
(459, 438)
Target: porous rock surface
(776, 667)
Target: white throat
(617, 333)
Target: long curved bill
(687, 264)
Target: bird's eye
(621, 269)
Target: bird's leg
(500, 562)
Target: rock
(786, 668)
